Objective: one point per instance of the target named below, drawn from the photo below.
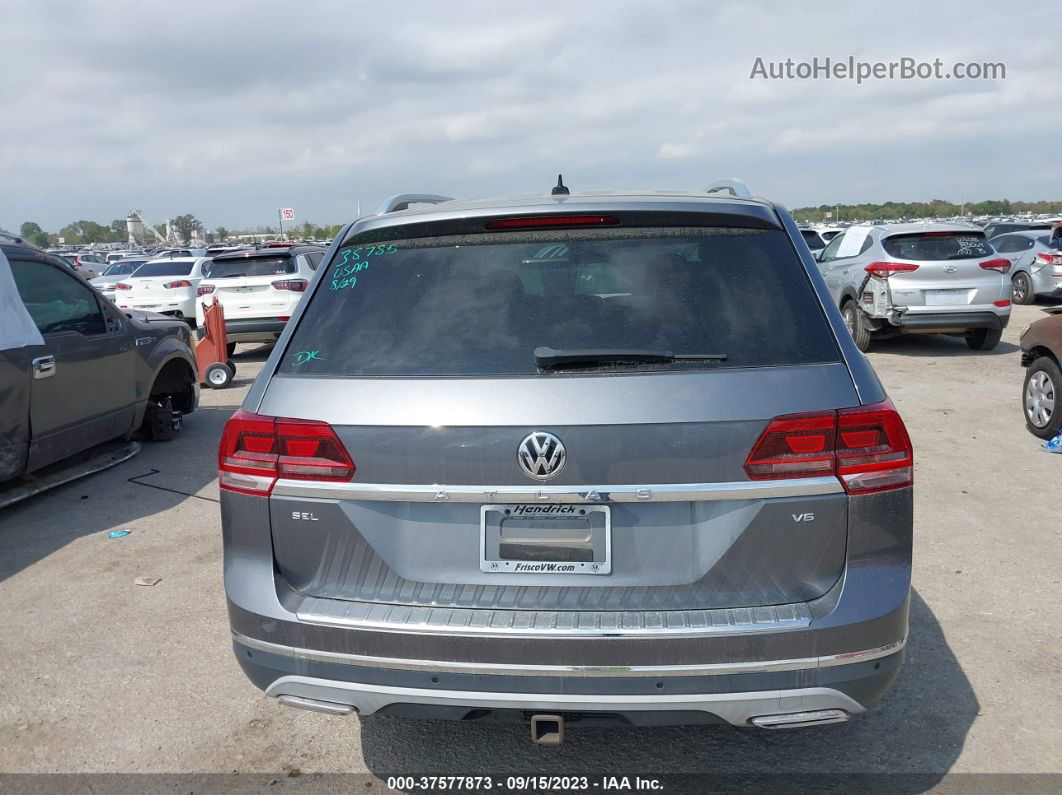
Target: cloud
(229, 110)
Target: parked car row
(259, 287)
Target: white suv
(259, 289)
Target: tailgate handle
(44, 367)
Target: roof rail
(10, 237)
(731, 185)
(401, 201)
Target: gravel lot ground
(101, 675)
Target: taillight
(885, 269)
(867, 448)
(1050, 258)
(256, 451)
(204, 289)
(177, 284)
(795, 446)
(1001, 265)
(295, 285)
(874, 452)
(123, 286)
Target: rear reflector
(540, 221)
(884, 269)
(867, 448)
(1000, 264)
(256, 451)
(1001, 303)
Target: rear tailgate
(689, 530)
(251, 297)
(949, 273)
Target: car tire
(230, 349)
(984, 339)
(1022, 289)
(853, 319)
(1042, 398)
(218, 375)
(159, 424)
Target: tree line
(84, 233)
(891, 211)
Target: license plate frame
(947, 297)
(599, 530)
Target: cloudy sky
(232, 108)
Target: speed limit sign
(287, 213)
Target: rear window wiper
(547, 358)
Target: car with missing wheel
(1041, 355)
(918, 278)
(75, 371)
(540, 459)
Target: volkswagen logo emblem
(541, 455)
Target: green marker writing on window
(308, 356)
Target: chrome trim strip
(735, 708)
(473, 622)
(666, 492)
(515, 669)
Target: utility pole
(280, 220)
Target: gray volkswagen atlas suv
(598, 458)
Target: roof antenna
(559, 190)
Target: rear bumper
(343, 685)
(1045, 281)
(431, 662)
(184, 307)
(928, 321)
(250, 330)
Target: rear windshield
(938, 246)
(164, 269)
(123, 267)
(812, 239)
(249, 266)
(481, 304)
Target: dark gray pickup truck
(75, 371)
